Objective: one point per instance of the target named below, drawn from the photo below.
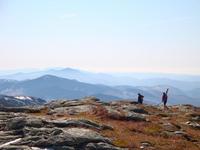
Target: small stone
(180, 133)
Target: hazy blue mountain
(153, 94)
(5, 84)
(69, 73)
(181, 77)
(176, 96)
(53, 87)
(129, 91)
(183, 85)
(194, 93)
(183, 82)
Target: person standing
(140, 98)
(165, 98)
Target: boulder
(54, 148)
(16, 123)
(146, 145)
(46, 137)
(64, 103)
(77, 123)
(13, 147)
(170, 127)
(134, 108)
(83, 136)
(55, 137)
(34, 122)
(102, 146)
(185, 136)
(194, 117)
(194, 125)
(134, 116)
(119, 114)
(72, 110)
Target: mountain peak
(68, 69)
(48, 76)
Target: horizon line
(35, 69)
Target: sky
(101, 35)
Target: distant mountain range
(52, 87)
(183, 82)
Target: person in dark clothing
(140, 98)
(165, 98)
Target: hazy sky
(101, 35)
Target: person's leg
(165, 104)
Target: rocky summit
(90, 124)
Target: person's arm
(167, 91)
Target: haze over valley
(69, 83)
